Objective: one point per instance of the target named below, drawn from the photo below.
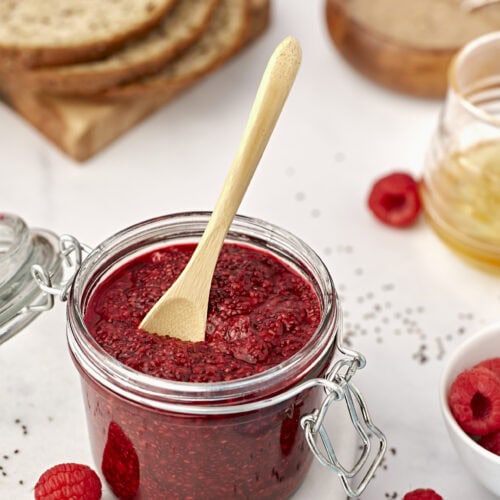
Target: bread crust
(154, 84)
(17, 58)
(84, 80)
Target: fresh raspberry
(491, 442)
(422, 494)
(474, 400)
(120, 463)
(68, 482)
(492, 364)
(394, 199)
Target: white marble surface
(337, 133)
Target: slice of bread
(179, 29)
(225, 34)
(51, 32)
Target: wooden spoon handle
(271, 95)
(273, 91)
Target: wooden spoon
(182, 311)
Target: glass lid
(21, 299)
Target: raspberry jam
(260, 313)
(213, 419)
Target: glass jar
(248, 438)
(461, 183)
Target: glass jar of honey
(461, 183)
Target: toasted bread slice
(225, 34)
(51, 32)
(179, 29)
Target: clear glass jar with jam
(251, 437)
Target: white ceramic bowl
(484, 465)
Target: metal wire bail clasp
(71, 251)
(340, 376)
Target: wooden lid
(406, 45)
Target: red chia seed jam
(261, 312)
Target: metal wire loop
(340, 376)
(71, 251)
(313, 426)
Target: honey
(464, 206)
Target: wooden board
(82, 127)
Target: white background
(337, 133)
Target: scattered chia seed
(21, 482)
(440, 346)
(393, 451)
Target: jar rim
(462, 94)
(167, 394)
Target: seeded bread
(51, 32)
(224, 35)
(179, 29)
